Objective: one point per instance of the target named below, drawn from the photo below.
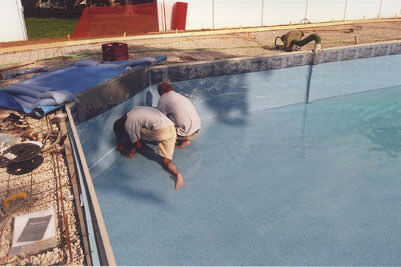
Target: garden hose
(313, 37)
(52, 145)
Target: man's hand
(127, 150)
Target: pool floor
(316, 184)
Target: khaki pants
(165, 139)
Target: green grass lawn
(39, 28)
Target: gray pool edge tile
(197, 70)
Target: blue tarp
(49, 91)
(22, 72)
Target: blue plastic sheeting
(44, 93)
(8, 101)
(23, 72)
(313, 184)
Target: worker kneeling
(181, 111)
(148, 124)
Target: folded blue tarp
(49, 91)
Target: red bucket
(115, 51)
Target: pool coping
(202, 69)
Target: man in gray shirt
(181, 111)
(148, 124)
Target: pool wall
(280, 87)
(102, 97)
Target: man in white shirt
(181, 111)
(148, 124)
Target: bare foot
(183, 144)
(180, 182)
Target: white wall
(12, 23)
(217, 14)
(277, 12)
(165, 10)
(236, 13)
(199, 14)
(390, 8)
(323, 10)
(358, 9)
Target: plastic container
(115, 51)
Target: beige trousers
(165, 139)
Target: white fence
(215, 14)
(12, 23)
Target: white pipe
(263, 3)
(345, 9)
(165, 18)
(21, 19)
(213, 14)
(380, 9)
(306, 10)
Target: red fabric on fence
(117, 20)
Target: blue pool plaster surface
(315, 184)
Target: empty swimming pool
(267, 182)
